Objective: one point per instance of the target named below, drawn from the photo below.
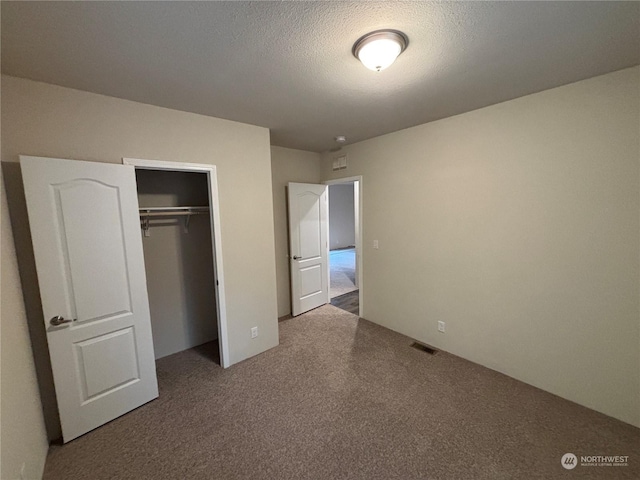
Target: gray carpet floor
(342, 271)
(342, 398)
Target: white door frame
(357, 184)
(216, 238)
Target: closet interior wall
(178, 263)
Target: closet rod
(147, 212)
(171, 211)
(170, 214)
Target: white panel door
(309, 244)
(88, 250)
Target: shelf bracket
(145, 227)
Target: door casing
(216, 238)
(357, 185)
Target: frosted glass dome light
(377, 50)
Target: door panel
(119, 349)
(88, 250)
(309, 234)
(310, 280)
(309, 243)
(99, 248)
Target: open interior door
(88, 250)
(309, 246)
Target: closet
(175, 221)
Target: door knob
(58, 320)
(295, 257)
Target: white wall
(23, 437)
(51, 121)
(342, 226)
(179, 265)
(517, 225)
(288, 165)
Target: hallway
(344, 292)
(342, 264)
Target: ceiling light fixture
(340, 139)
(377, 50)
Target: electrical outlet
(375, 244)
(254, 332)
(441, 327)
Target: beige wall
(342, 223)
(288, 165)
(23, 437)
(179, 265)
(518, 226)
(46, 120)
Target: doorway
(179, 216)
(345, 259)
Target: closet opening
(179, 221)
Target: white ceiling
(288, 65)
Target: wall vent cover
(339, 163)
(424, 348)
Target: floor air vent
(424, 348)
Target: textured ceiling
(288, 65)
